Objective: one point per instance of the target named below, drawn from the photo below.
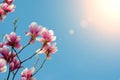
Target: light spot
(83, 23)
(71, 32)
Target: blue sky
(85, 54)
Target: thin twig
(37, 60)
(15, 73)
(40, 67)
(19, 65)
(21, 62)
(8, 74)
(17, 54)
(30, 57)
(15, 22)
(23, 48)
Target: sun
(104, 13)
(112, 6)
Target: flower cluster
(9, 47)
(43, 35)
(5, 7)
(10, 58)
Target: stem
(23, 60)
(30, 57)
(17, 54)
(15, 22)
(16, 72)
(23, 48)
(8, 74)
(37, 60)
(19, 65)
(9, 67)
(17, 69)
(40, 66)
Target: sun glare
(104, 13)
(113, 3)
(112, 6)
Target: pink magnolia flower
(8, 8)
(8, 1)
(13, 40)
(35, 31)
(2, 12)
(3, 66)
(27, 74)
(47, 36)
(5, 7)
(48, 49)
(5, 52)
(15, 64)
(10, 58)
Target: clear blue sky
(84, 55)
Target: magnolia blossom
(48, 49)
(5, 7)
(8, 1)
(47, 36)
(8, 8)
(27, 74)
(3, 13)
(10, 58)
(5, 52)
(15, 64)
(3, 66)
(35, 31)
(13, 40)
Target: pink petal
(2, 62)
(24, 72)
(31, 71)
(40, 39)
(3, 69)
(23, 78)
